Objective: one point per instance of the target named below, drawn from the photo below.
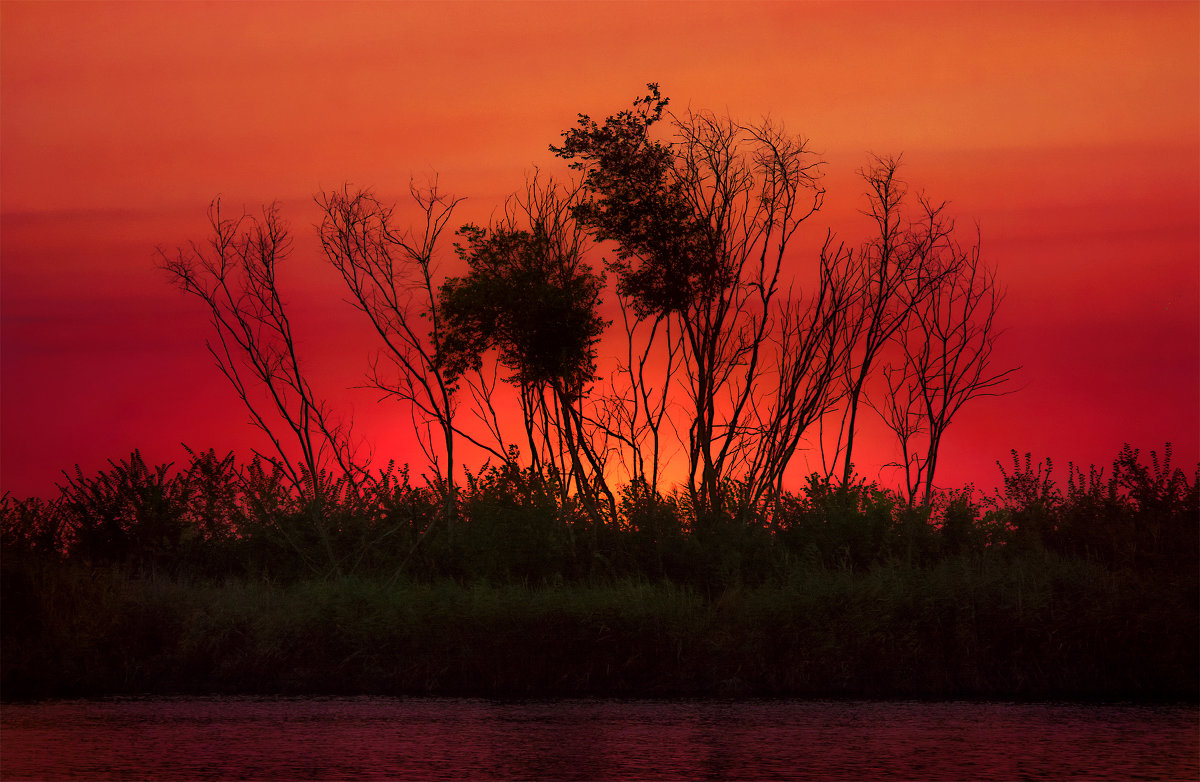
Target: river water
(430, 739)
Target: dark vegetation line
(567, 565)
(214, 520)
(204, 580)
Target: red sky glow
(1070, 132)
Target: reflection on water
(427, 739)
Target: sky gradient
(1069, 132)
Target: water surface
(430, 739)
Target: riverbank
(1031, 626)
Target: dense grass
(141, 585)
(1034, 626)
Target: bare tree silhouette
(947, 361)
(810, 355)
(892, 275)
(255, 349)
(702, 224)
(391, 278)
(726, 363)
(634, 411)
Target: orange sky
(1071, 132)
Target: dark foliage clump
(521, 297)
(665, 255)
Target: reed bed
(1035, 627)
(217, 580)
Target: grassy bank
(1030, 626)
(220, 579)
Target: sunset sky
(1070, 132)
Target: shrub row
(214, 519)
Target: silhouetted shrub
(1140, 516)
(850, 525)
(130, 514)
(655, 532)
(1027, 505)
(962, 530)
(214, 519)
(514, 527)
(31, 527)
